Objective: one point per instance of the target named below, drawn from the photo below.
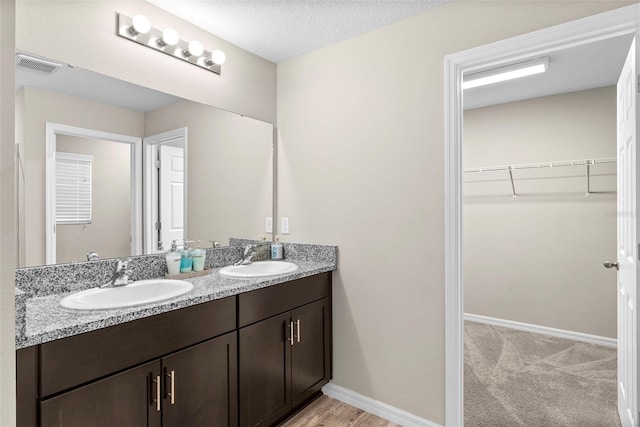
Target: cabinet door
(311, 351)
(265, 396)
(200, 385)
(125, 400)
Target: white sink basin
(139, 292)
(259, 269)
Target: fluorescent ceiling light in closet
(509, 72)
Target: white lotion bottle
(173, 258)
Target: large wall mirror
(114, 168)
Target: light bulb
(170, 37)
(140, 25)
(195, 49)
(217, 57)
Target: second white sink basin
(259, 269)
(137, 293)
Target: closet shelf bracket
(513, 187)
(589, 163)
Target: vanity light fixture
(138, 29)
(510, 72)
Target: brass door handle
(611, 264)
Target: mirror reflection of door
(170, 195)
(165, 190)
(108, 231)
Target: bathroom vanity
(254, 353)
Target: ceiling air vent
(37, 64)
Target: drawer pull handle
(298, 329)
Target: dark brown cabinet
(248, 360)
(200, 385)
(120, 400)
(310, 357)
(264, 372)
(284, 359)
(193, 387)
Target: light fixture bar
(509, 72)
(139, 30)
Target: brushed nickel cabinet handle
(291, 333)
(172, 385)
(298, 329)
(156, 400)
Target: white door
(171, 195)
(627, 242)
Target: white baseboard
(528, 327)
(376, 407)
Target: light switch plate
(268, 225)
(285, 226)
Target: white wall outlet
(268, 225)
(285, 226)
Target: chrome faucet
(247, 255)
(93, 256)
(120, 276)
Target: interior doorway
(61, 137)
(538, 221)
(600, 27)
(165, 190)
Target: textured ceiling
(278, 30)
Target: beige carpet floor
(514, 378)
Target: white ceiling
(278, 30)
(583, 67)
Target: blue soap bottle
(186, 260)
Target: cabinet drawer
(75, 360)
(263, 303)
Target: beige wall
(42, 106)
(110, 229)
(538, 258)
(83, 34)
(230, 169)
(19, 172)
(360, 165)
(7, 216)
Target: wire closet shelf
(587, 163)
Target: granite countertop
(45, 320)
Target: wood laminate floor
(328, 412)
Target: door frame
(150, 184)
(594, 28)
(54, 129)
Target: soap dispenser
(173, 259)
(186, 260)
(199, 255)
(277, 249)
